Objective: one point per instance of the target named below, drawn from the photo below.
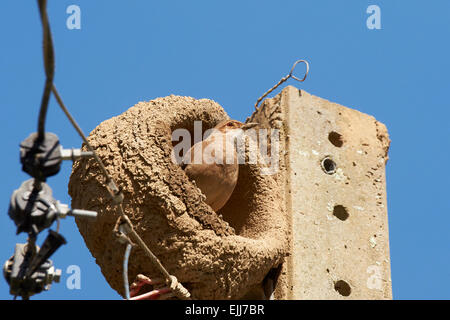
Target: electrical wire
(115, 194)
(125, 270)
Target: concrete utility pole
(333, 173)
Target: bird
(213, 162)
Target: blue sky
(232, 52)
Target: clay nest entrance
(215, 255)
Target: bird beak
(249, 125)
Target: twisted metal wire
(49, 65)
(285, 78)
(110, 184)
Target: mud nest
(215, 255)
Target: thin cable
(126, 284)
(285, 78)
(147, 251)
(49, 65)
(109, 180)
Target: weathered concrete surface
(339, 246)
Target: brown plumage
(212, 163)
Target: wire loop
(306, 72)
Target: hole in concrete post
(340, 212)
(336, 139)
(343, 288)
(328, 165)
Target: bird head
(228, 125)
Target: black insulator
(41, 159)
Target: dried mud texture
(215, 255)
(270, 116)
